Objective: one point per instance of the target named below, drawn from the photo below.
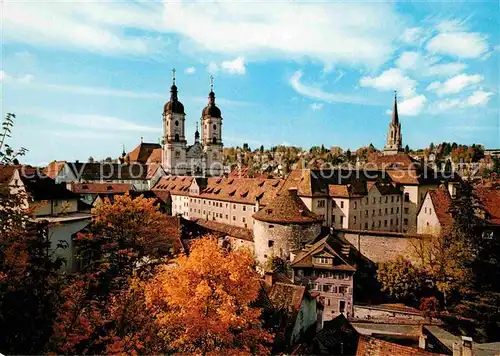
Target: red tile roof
(489, 195)
(176, 185)
(98, 188)
(244, 172)
(163, 195)
(286, 296)
(230, 230)
(400, 160)
(441, 200)
(155, 156)
(370, 346)
(288, 207)
(236, 190)
(142, 152)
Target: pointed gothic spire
(395, 117)
(123, 151)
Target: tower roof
(287, 207)
(211, 109)
(395, 117)
(173, 105)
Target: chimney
(257, 204)
(293, 191)
(268, 277)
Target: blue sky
(86, 78)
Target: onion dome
(211, 109)
(173, 105)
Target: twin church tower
(203, 158)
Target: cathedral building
(202, 158)
(394, 140)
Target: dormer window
(323, 260)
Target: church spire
(211, 95)
(173, 88)
(196, 134)
(395, 117)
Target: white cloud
(459, 44)
(101, 91)
(190, 70)
(22, 79)
(236, 66)
(212, 67)
(356, 34)
(317, 93)
(316, 106)
(391, 79)
(455, 84)
(97, 122)
(411, 107)
(479, 98)
(427, 66)
(451, 26)
(414, 36)
(94, 27)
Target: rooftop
(287, 207)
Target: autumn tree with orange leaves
(202, 303)
(103, 309)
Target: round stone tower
(286, 224)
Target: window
(397, 210)
(355, 205)
(366, 213)
(391, 222)
(366, 200)
(487, 235)
(366, 226)
(380, 200)
(234, 218)
(392, 199)
(244, 208)
(430, 211)
(354, 220)
(176, 123)
(341, 220)
(342, 289)
(405, 221)
(425, 209)
(385, 223)
(386, 199)
(373, 200)
(373, 212)
(227, 217)
(323, 260)
(333, 204)
(397, 222)
(373, 224)
(328, 301)
(379, 223)
(342, 204)
(397, 198)
(392, 210)
(320, 204)
(234, 206)
(407, 210)
(215, 126)
(243, 219)
(270, 243)
(407, 197)
(333, 219)
(379, 212)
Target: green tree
(401, 280)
